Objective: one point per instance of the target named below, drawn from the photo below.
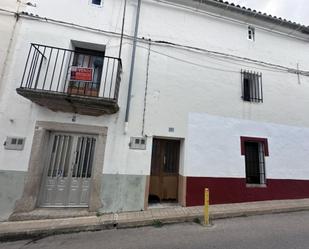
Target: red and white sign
(81, 74)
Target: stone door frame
(36, 166)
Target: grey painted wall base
(122, 193)
(118, 192)
(11, 189)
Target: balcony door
(86, 72)
(68, 171)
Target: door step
(163, 205)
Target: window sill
(248, 185)
(260, 101)
(96, 5)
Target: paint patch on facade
(11, 185)
(214, 147)
(122, 192)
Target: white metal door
(69, 170)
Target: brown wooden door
(164, 170)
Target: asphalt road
(278, 231)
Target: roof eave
(247, 15)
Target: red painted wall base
(234, 190)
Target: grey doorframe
(30, 196)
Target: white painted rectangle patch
(213, 147)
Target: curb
(42, 233)
(236, 214)
(36, 234)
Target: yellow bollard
(206, 207)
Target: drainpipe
(132, 67)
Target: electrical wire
(8, 11)
(189, 62)
(230, 56)
(172, 44)
(208, 67)
(224, 60)
(167, 43)
(146, 88)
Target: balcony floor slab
(63, 102)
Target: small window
(96, 2)
(251, 33)
(255, 150)
(252, 90)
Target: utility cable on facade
(287, 70)
(167, 43)
(189, 62)
(146, 88)
(235, 57)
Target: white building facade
(218, 99)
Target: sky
(293, 10)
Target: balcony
(78, 81)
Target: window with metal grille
(252, 90)
(254, 157)
(254, 150)
(61, 161)
(84, 157)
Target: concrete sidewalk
(36, 228)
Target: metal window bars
(252, 89)
(60, 156)
(54, 69)
(84, 157)
(255, 163)
(61, 165)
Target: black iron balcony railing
(78, 73)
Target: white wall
(193, 28)
(214, 147)
(180, 81)
(82, 12)
(177, 88)
(20, 120)
(7, 31)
